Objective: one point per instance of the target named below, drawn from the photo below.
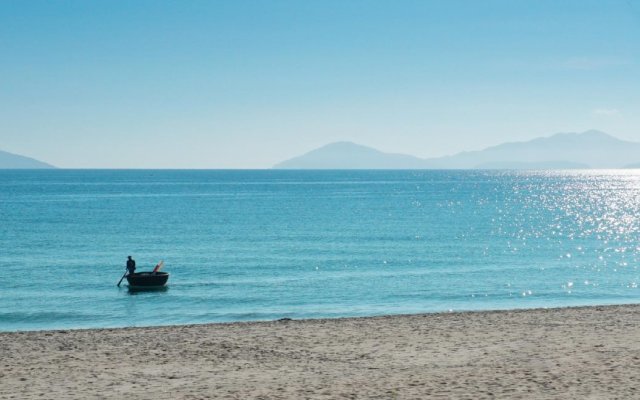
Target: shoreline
(543, 353)
(260, 321)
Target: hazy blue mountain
(590, 149)
(532, 165)
(347, 155)
(14, 161)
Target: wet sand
(589, 352)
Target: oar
(157, 268)
(120, 281)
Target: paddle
(120, 281)
(157, 268)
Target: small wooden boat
(147, 280)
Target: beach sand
(587, 352)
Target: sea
(248, 245)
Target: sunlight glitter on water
(267, 244)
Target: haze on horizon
(199, 84)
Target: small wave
(43, 317)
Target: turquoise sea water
(255, 245)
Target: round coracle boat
(147, 279)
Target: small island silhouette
(15, 161)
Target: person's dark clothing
(131, 266)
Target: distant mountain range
(590, 149)
(14, 161)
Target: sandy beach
(589, 352)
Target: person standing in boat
(131, 265)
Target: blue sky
(245, 84)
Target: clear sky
(245, 84)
